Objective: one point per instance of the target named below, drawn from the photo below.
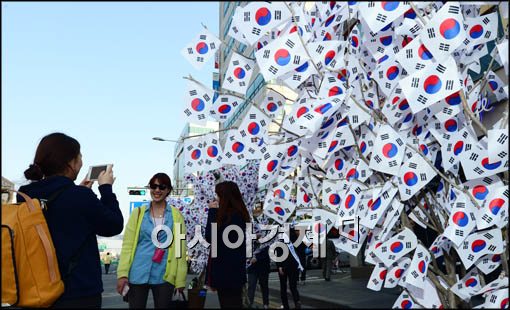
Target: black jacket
(290, 262)
(262, 265)
(74, 218)
(228, 269)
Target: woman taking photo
(143, 265)
(226, 273)
(75, 216)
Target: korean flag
(445, 32)
(337, 168)
(278, 209)
(426, 87)
(201, 49)
(377, 277)
(224, 107)
(234, 31)
(349, 203)
(481, 188)
(332, 85)
(396, 271)
(388, 151)
(328, 54)
(414, 174)
(391, 219)
(497, 299)
(468, 286)
(213, 153)
(462, 220)
(272, 158)
(235, 149)
(447, 108)
(415, 56)
(331, 196)
(198, 100)
(396, 247)
(323, 221)
(272, 104)
(452, 149)
(379, 14)
(417, 272)
(479, 244)
(254, 128)
(488, 263)
(193, 149)
(476, 164)
(377, 205)
(282, 55)
(405, 301)
(258, 18)
(297, 76)
(497, 86)
(498, 145)
(388, 74)
(238, 74)
(494, 210)
(291, 159)
(481, 29)
(283, 189)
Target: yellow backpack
(30, 273)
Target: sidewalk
(341, 291)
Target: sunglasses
(160, 186)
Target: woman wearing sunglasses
(146, 263)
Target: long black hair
(231, 201)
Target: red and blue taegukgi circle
(335, 91)
(282, 57)
(224, 109)
(404, 105)
(322, 109)
(453, 99)
(302, 68)
(196, 154)
(353, 173)
(332, 146)
(329, 20)
(449, 28)
(334, 199)
(279, 211)
(339, 164)
(239, 73)
(272, 107)
(392, 73)
(458, 147)
(376, 204)
(271, 166)
(396, 247)
(471, 282)
(476, 31)
(495, 205)
(212, 151)
(354, 41)
(301, 111)
(450, 125)
(424, 53)
(389, 150)
(197, 104)
(237, 147)
(410, 178)
(202, 48)
(349, 201)
(292, 150)
(478, 245)
(279, 193)
(422, 265)
(406, 304)
(253, 128)
(386, 40)
(263, 16)
(330, 55)
(460, 218)
(493, 85)
(486, 165)
(480, 192)
(432, 84)
(389, 5)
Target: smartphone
(94, 171)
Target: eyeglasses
(160, 186)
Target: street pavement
(340, 292)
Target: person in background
(289, 269)
(226, 273)
(144, 266)
(330, 255)
(107, 260)
(258, 270)
(74, 217)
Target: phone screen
(94, 173)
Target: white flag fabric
(235, 150)
(332, 85)
(379, 14)
(498, 145)
(253, 129)
(405, 301)
(494, 211)
(396, 272)
(475, 162)
(377, 277)
(503, 52)
(415, 56)
(479, 244)
(278, 209)
(378, 205)
(481, 29)
(327, 54)
(426, 87)
(349, 203)
(193, 154)
(462, 220)
(326, 220)
(201, 49)
(213, 153)
(444, 32)
(414, 174)
(396, 247)
(238, 74)
(497, 299)
(331, 195)
(481, 188)
(272, 104)
(467, 287)
(388, 151)
(451, 150)
(488, 263)
(198, 101)
(272, 158)
(234, 31)
(417, 271)
(224, 107)
(388, 74)
(258, 18)
(296, 77)
(280, 56)
(497, 86)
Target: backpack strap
(46, 202)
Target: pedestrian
(303, 258)
(327, 263)
(146, 264)
(258, 271)
(107, 260)
(226, 273)
(288, 270)
(74, 217)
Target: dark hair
(231, 201)
(52, 156)
(162, 178)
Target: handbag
(181, 301)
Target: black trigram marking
(454, 9)
(255, 31)
(431, 32)
(444, 47)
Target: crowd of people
(77, 215)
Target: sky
(108, 74)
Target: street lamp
(161, 139)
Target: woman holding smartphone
(146, 263)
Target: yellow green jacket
(176, 268)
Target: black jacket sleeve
(211, 217)
(105, 214)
